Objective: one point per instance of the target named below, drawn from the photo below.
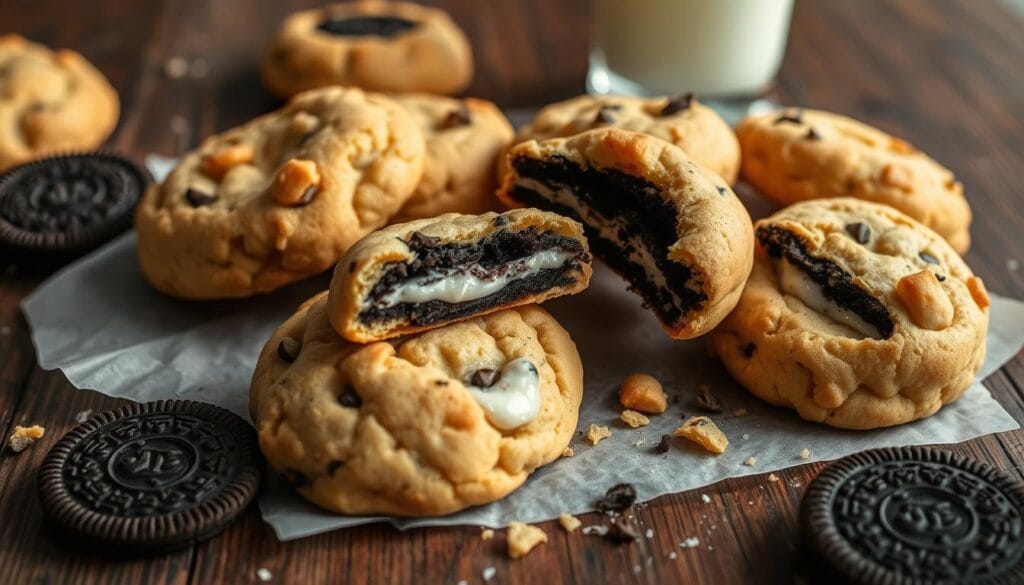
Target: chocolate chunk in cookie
(650, 213)
(359, 26)
(424, 273)
(915, 515)
(67, 205)
(151, 477)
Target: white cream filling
(514, 399)
(797, 283)
(467, 286)
(607, 229)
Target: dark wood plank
(943, 74)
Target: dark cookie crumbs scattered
(381, 26)
(197, 198)
(796, 117)
(677, 104)
(663, 445)
(350, 399)
(68, 204)
(708, 401)
(456, 118)
(484, 378)
(150, 477)
(915, 515)
(928, 258)
(618, 497)
(419, 240)
(621, 530)
(859, 231)
(288, 349)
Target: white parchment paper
(100, 323)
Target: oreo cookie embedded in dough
(67, 205)
(915, 515)
(150, 477)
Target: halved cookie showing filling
(425, 273)
(671, 228)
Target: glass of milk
(719, 48)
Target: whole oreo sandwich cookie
(150, 477)
(67, 205)
(915, 515)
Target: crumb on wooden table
(569, 522)
(22, 437)
(772, 477)
(486, 534)
(522, 538)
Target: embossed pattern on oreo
(151, 477)
(68, 203)
(916, 515)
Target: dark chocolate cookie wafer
(915, 515)
(151, 477)
(66, 205)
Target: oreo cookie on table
(915, 515)
(69, 204)
(150, 477)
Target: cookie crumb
(634, 418)
(805, 454)
(568, 452)
(618, 497)
(488, 573)
(597, 433)
(740, 412)
(83, 416)
(522, 538)
(597, 529)
(649, 533)
(643, 393)
(690, 542)
(706, 400)
(24, 436)
(751, 461)
(639, 442)
(703, 431)
(486, 534)
(664, 445)
(772, 477)
(672, 555)
(264, 575)
(705, 498)
(569, 522)
(621, 530)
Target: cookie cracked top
(279, 198)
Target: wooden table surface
(946, 75)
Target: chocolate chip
(199, 199)
(940, 277)
(618, 497)
(677, 104)
(297, 478)
(812, 135)
(621, 530)
(663, 445)
(350, 399)
(928, 258)
(334, 466)
(604, 114)
(484, 378)
(859, 231)
(456, 118)
(500, 221)
(441, 383)
(358, 26)
(791, 117)
(722, 191)
(748, 350)
(308, 195)
(419, 240)
(288, 349)
(708, 401)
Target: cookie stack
(426, 380)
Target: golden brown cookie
(672, 229)
(799, 155)
(697, 129)
(464, 138)
(425, 273)
(856, 316)
(280, 198)
(377, 45)
(427, 425)
(50, 102)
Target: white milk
(667, 47)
